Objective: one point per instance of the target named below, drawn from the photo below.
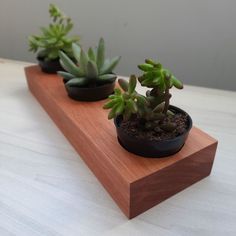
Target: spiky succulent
(54, 37)
(90, 69)
(152, 107)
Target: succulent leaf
(123, 84)
(110, 104)
(117, 91)
(100, 53)
(109, 66)
(112, 113)
(150, 61)
(119, 109)
(145, 67)
(69, 65)
(159, 108)
(132, 106)
(65, 75)
(170, 113)
(83, 61)
(141, 100)
(168, 127)
(76, 51)
(92, 70)
(132, 84)
(178, 84)
(91, 54)
(107, 78)
(77, 82)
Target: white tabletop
(46, 189)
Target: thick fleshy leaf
(145, 67)
(141, 100)
(91, 55)
(76, 51)
(151, 62)
(107, 78)
(170, 113)
(132, 106)
(112, 113)
(77, 82)
(158, 116)
(132, 84)
(109, 66)
(83, 61)
(159, 107)
(117, 91)
(119, 109)
(92, 70)
(69, 65)
(168, 127)
(123, 84)
(100, 53)
(178, 84)
(65, 75)
(110, 104)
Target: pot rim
(190, 124)
(90, 88)
(42, 59)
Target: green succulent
(157, 76)
(127, 102)
(149, 109)
(54, 37)
(90, 69)
(161, 80)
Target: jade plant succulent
(91, 69)
(151, 110)
(54, 37)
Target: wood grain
(135, 183)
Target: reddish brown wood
(135, 183)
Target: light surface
(46, 189)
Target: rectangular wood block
(135, 183)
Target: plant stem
(167, 96)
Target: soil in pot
(93, 93)
(152, 140)
(50, 67)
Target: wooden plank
(135, 183)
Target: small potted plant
(92, 77)
(148, 125)
(53, 39)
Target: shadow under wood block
(135, 183)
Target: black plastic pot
(50, 67)
(153, 149)
(90, 94)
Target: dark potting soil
(134, 127)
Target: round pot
(153, 149)
(50, 67)
(91, 94)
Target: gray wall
(196, 39)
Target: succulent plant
(91, 68)
(149, 109)
(127, 103)
(161, 80)
(54, 37)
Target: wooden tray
(135, 183)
